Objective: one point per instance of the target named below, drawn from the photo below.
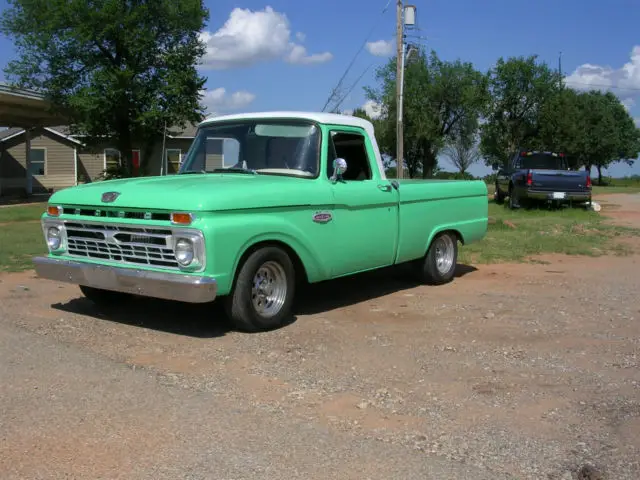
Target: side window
(351, 147)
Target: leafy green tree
(561, 127)
(438, 95)
(117, 68)
(519, 88)
(609, 133)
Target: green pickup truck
(262, 202)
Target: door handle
(384, 188)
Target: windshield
(542, 161)
(256, 146)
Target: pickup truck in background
(533, 175)
(262, 201)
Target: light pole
(404, 16)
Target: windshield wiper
(189, 172)
(235, 170)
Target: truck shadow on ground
(344, 292)
(210, 321)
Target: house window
(111, 158)
(37, 160)
(174, 160)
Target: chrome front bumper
(168, 286)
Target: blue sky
(288, 54)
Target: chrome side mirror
(339, 167)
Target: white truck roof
(320, 117)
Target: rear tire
(262, 297)
(499, 196)
(438, 266)
(513, 200)
(104, 298)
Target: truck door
(366, 206)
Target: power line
(337, 105)
(334, 92)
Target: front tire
(262, 296)
(104, 298)
(439, 264)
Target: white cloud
(380, 48)
(249, 37)
(218, 100)
(372, 109)
(301, 36)
(623, 81)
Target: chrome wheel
(444, 253)
(269, 289)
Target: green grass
(19, 242)
(571, 231)
(22, 213)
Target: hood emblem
(109, 197)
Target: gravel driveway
(512, 371)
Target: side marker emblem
(322, 217)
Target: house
(59, 159)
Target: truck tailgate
(558, 180)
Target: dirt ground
(511, 371)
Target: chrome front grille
(132, 245)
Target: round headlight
(53, 238)
(184, 252)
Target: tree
(560, 126)
(462, 149)
(437, 96)
(519, 87)
(592, 128)
(117, 68)
(608, 133)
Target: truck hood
(197, 192)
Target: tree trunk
(125, 147)
(428, 164)
(599, 174)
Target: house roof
(20, 108)
(14, 132)
(9, 133)
(65, 132)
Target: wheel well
(301, 272)
(455, 233)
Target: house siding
(59, 162)
(67, 163)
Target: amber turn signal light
(54, 211)
(180, 218)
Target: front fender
(234, 234)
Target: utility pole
(399, 82)
(560, 68)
